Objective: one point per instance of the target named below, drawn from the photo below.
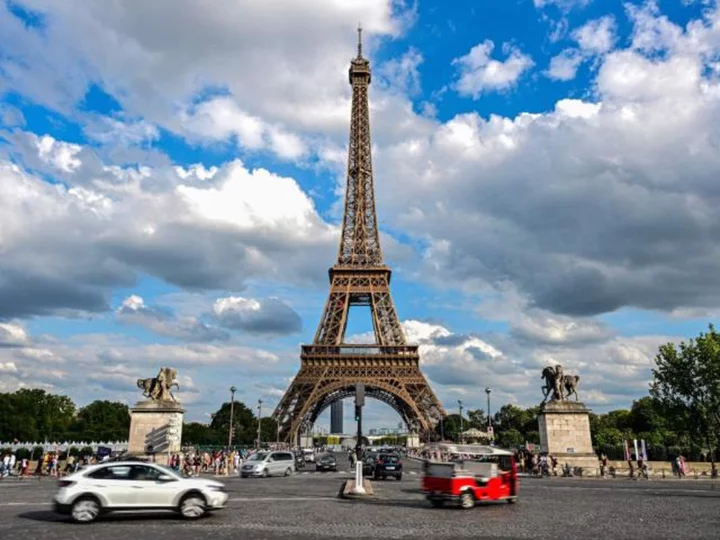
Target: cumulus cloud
(266, 316)
(479, 73)
(133, 310)
(597, 36)
(12, 335)
(564, 66)
(185, 67)
(65, 247)
(605, 208)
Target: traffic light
(357, 412)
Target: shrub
(37, 452)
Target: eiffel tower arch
(330, 368)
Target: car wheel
(192, 506)
(399, 477)
(467, 500)
(437, 503)
(288, 472)
(265, 473)
(85, 510)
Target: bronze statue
(158, 388)
(558, 386)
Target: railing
(353, 349)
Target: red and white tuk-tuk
(467, 474)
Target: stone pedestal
(155, 429)
(565, 434)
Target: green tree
(196, 433)
(686, 382)
(102, 421)
(510, 438)
(244, 424)
(35, 415)
(476, 419)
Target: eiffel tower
(330, 368)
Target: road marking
(25, 504)
(264, 499)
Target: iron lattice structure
(330, 368)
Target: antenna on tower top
(359, 30)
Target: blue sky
(171, 182)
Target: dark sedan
(388, 465)
(326, 462)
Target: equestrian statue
(558, 386)
(158, 388)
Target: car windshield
(389, 459)
(260, 456)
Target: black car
(369, 460)
(388, 465)
(326, 462)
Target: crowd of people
(48, 464)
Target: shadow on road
(52, 517)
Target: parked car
(130, 486)
(388, 465)
(326, 462)
(268, 464)
(309, 454)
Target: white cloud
(70, 246)
(59, 154)
(12, 335)
(479, 73)
(133, 310)
(268, 316)
(597, 36)
(8, 367)
(564, 66)
(563, 4)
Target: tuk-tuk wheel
(467, 500)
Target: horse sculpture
(158, 388)
(558, 386)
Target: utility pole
(461, 437)
(487, 391)
(259, 408)
(232, 410)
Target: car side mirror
(165, 478)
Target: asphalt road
(305, 506)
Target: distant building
(373, 431)
(336, 417)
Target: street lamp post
(259, 407)
(487, 391)
(232, 410)
(462, 438)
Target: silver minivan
(268, 464)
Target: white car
(128, 486)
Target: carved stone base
(150, 423)
(565, 434)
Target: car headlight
(217, 488)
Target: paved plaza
(306, 506)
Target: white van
(268, 464)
